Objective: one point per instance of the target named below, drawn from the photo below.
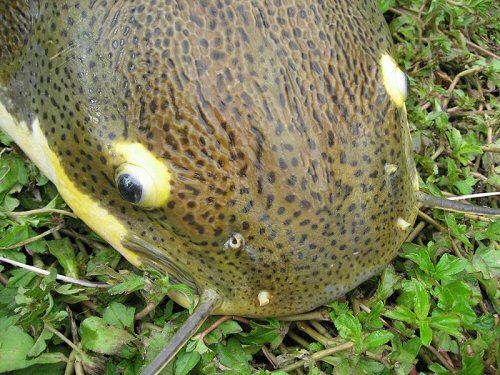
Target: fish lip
(158, 258)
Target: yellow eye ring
(142, 179)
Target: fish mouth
(157, 258)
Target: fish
(258, 152)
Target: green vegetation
(434, 310)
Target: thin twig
(321, 314)
(299, 340)
(493, 147)
(66, 279)
(481, 49)
(318, 355)
(39, 211)
(431, 221)
(70, 366)
(146, 310)
(325, 341)
(455, 81)
(441, 359)
(90, 242)
(318, 327)
(221, 320)
(459, 113)
(416, 231)
(63, 338)
(32, 239)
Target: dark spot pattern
(271, 117)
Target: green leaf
(262, 334)
(386, 4)
(15, 345)
(448, 323)
(388, 283)
(449, 265)
(420, 255)
(402, 313)
(185, 362)
(227, 328)
(492, 232)
(134, 282)
(40, 344)
(377, 339)
(457, 230)
(233, 356)
(422, 300)
(65, 253)
(472, 365)
(487, 261)
(348, 326)
(425, 332)
(15, 235)
(102, 338)
(119, 315)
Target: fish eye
(135, 185)
(235, 241)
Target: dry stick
(416, 231)
(492, 147)
(270, 357)
(66, 279)
(430, 220)
(70, 366)
(90, 305)
(3, 279)
(318, 327)
(146, 310)
(40, 211)
(456, 250)
(32, 239)
(321, 314)
(221, 320)
(318, 355)
(456, 80)
(84, 239)
(459, 113)
(438, 152)
(299, 340)
(79, 367)
(481, 49)
(482, 177)
(442, 359)
(63, 338)
(314, 334)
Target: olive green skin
(271, 116)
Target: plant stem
(318, 355)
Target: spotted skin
(270, 115)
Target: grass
(434, 310)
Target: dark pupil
(130, 189)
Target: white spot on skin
(394, 80)
(390, 168)
(263, 298)
(235, 241)
(402, 224)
